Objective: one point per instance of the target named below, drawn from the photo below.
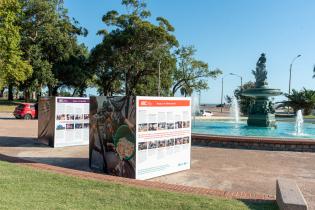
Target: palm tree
(304, 99)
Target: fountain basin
(261, 92)
(254, 143)
(284, 130)
(230, 135)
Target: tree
(75, 72)
(108, 80)
(304, 99)
(49, 40)
(13, 69)
(132, 52)
(191, 74)
(244, 101)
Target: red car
(26, 111)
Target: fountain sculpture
(261, 112)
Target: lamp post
(222, 91)
(290, 75)
(291, 71)
(240, 78)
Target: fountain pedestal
(261, 111)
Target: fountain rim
(258, 139)
(261, 92)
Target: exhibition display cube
(140, 137)
(63, 121)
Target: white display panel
(71, 121)
(163, 127)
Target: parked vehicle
(206, 113)
(26, 111)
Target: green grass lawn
(309, 117)
(25, 188)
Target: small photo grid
(182, 140)
(170, 126)
(86, 125)
(153, 126)
(182, 124)
(153, 144)
(78, 125)
(178, 141)
(70, 117)
(142, 146)
(186, 140)
(61, 117)
(143, 127)
(60, 127)
(78, 117)
(86, 116)
(69, 126)
(186, 124)
(161, 144)
(178, 124)
(170, 142)
(162, 126)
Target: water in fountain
(195, 107)
(235, 111)
(299, 123)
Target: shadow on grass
(261, 205)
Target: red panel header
(163, 103)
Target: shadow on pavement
(81, 164)
(9, 141)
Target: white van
(207, 113)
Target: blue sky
(230, 35)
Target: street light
(240, 78)
(290, 75)
(222, 91)
(290, 72)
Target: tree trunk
(74, 92)
(27, 95)
(10, 92)
(55, 91)
(38, 95)
(1, 92)
(81, 92)
(49, 90)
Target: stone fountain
(261, 111)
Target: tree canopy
(191, 74)
(49, 40)
(244, 101)
(137, 55)
(13, 68)
(132, 51)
